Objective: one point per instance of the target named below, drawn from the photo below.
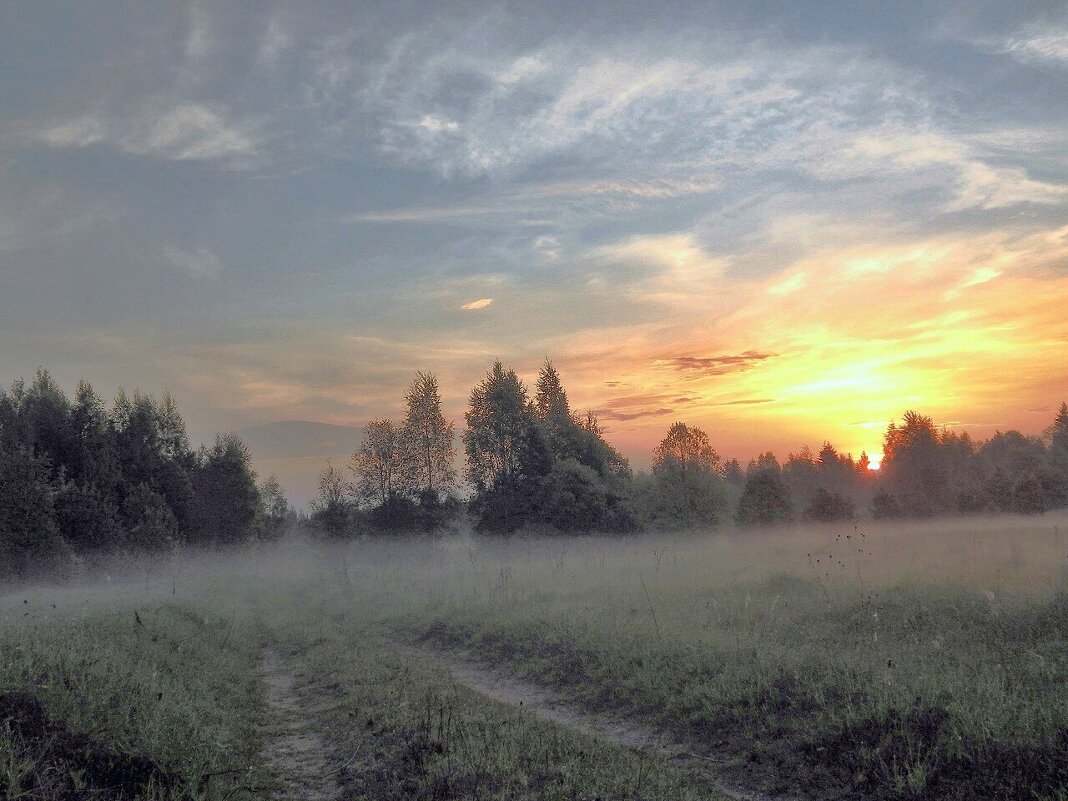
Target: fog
(1004, 559)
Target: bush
(664, 501)
(828, 507)
(574, 498)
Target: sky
(782, 222)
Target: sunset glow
(718, 226)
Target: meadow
(895, 661)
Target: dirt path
(553, 707)
(295, 751)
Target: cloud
(1049, 45)
(275, 43)
(973, 182)
(199, 40)
(474, 305)
(746, 402)
(200, 263)
(184, 131)
(543, 200)
(717, 365)
(615, 414)
(617, 103)
(675, 268)
(638, 188)
(421, 215)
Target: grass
(904, 662)
(403, 729)
(823, 661)
(155, 701)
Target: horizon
(784, 225)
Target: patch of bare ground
(553, 707)
(295, 751)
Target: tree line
(81, 480)
(533, 463)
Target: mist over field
(942, 641)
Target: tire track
(295, 751)
(551, 706)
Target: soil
(296, 751)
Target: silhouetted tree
(733, 474)
(828, 507)
(29, 536)
(226, 489)
(914, 467)
(125, 478)
(765, 497)
(330, 509)
(275, 511)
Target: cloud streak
(200, 263)
(183, 131)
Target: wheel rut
(551, 706)
(295, 750)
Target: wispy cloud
(717, 365)
(475, 305)
(183, 131)
(616, 414)
(674, 268)
(972, 183)
(1048, 44)
(200, 263)
(746, 402)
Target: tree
(428, 437)
(88, 518)
(381, 465)
(828, 507)
(684, 450)
(330, 510)
(803, 474)
(765, 497)
(29, 536)
(733, 474)
(228, 498)
(498, 419)
(46, 422)
(1058, 441)
(574, 498)
(95, 462)
(914, 468)
(550, 399)
(686, 486)
(275, 508)
(149, 521)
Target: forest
(535, 464)
(82, 480)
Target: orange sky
(973, 331)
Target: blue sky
(780, 221)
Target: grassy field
(926, 661)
